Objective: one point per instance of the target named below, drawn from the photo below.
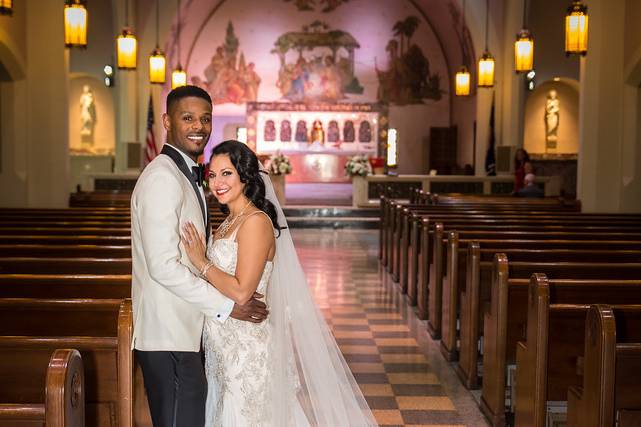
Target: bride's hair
(246, 163)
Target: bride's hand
(194, 244)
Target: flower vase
(279, 187)
(359, 191)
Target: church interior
(462, 179)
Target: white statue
(551, 120)
(87, 114)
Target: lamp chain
(487, 20)
(157, 22)
(178, 33)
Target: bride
(288, 370)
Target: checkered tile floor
(376, 336)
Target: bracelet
(206, 267)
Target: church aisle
(404, 378)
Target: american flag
(150, 141)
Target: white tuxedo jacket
(169, 299)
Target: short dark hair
(184, 92)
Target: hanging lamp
(178, 76)
(157, 61)
(462, 78)
(576, 29)
(127, 45)
(75, 14)
(486, 63)
(524, 47)
(6, 7)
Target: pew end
(55, 393)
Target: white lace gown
(236, 357)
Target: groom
(170, 300)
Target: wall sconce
(392, 148)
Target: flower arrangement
(279, 164)
(358, 166)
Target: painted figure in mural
(408, 79)
(308, 5)
(87, 114)
(348, 131)
(301, 131)
(551, 120)
(325, 73)
(365, 132)
(285, 131)
(227, 78)
(269, 134)
(317, 135)
(332, 132)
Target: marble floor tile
(398, 367)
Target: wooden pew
(45, 389)
(431, 277)
(401, 235)
(536, 251)
(611, 389)
(72, 231)
(504, 317)
(472, 280)
(35, 265)
(103, 338)
(65, 286)
(65, 240)
(550, 359)
(64, 251)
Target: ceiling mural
(319, 51)
(309, 5)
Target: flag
(490, 158)
(150, 141)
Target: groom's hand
(254, 310)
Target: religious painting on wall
(408, 79)
(318, 127)
(227, 77)
(310, 5)
(316, 64)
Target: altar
(318, 139)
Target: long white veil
(308, 369)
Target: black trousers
(176, 387)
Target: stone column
(47, 106)
(601, 110)
(127, 117)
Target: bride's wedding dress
(286, 371)
(237, 358)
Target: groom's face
(188, 125)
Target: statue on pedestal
(551, 120)
(87, 115)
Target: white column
(47, 106)
(127, 118)
(601, 111)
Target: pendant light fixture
(157, 61)
(178, 76)
(75, 14)
(576, 29)
(127, 45)
(462, 79)
(6, 7)
(486, 63)
(524, 47)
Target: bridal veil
(308, 369)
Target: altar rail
(367, 190)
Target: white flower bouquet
(279, 164)
(358, 166)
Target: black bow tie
(198, 172)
